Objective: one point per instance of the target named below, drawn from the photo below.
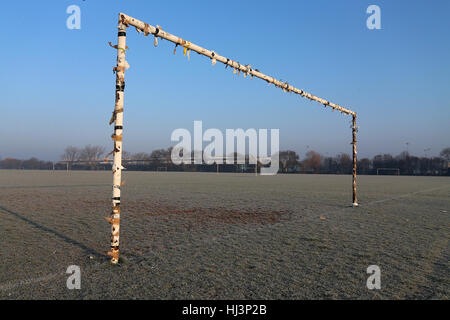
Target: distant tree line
(93, 158)
(404, 164)
(32, 163)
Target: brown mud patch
(205, 215)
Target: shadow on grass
(56, 186)
(53, 232)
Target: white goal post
(126, 21)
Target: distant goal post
(389, 171)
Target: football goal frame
(125, 22)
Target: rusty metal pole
(117, 118)
(354, 130)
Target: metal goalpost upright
(126, 21)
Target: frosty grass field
(226, 236)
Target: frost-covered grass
(226, 236)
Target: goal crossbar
(245, 69)
(124, 22)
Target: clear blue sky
(58, 87)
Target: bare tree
(288, 159)
(71, 153)
(90, 153)
(345, 163)
(161, 155)
(126, 155)
(445, 153)
(313, 161)
(141, 156)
